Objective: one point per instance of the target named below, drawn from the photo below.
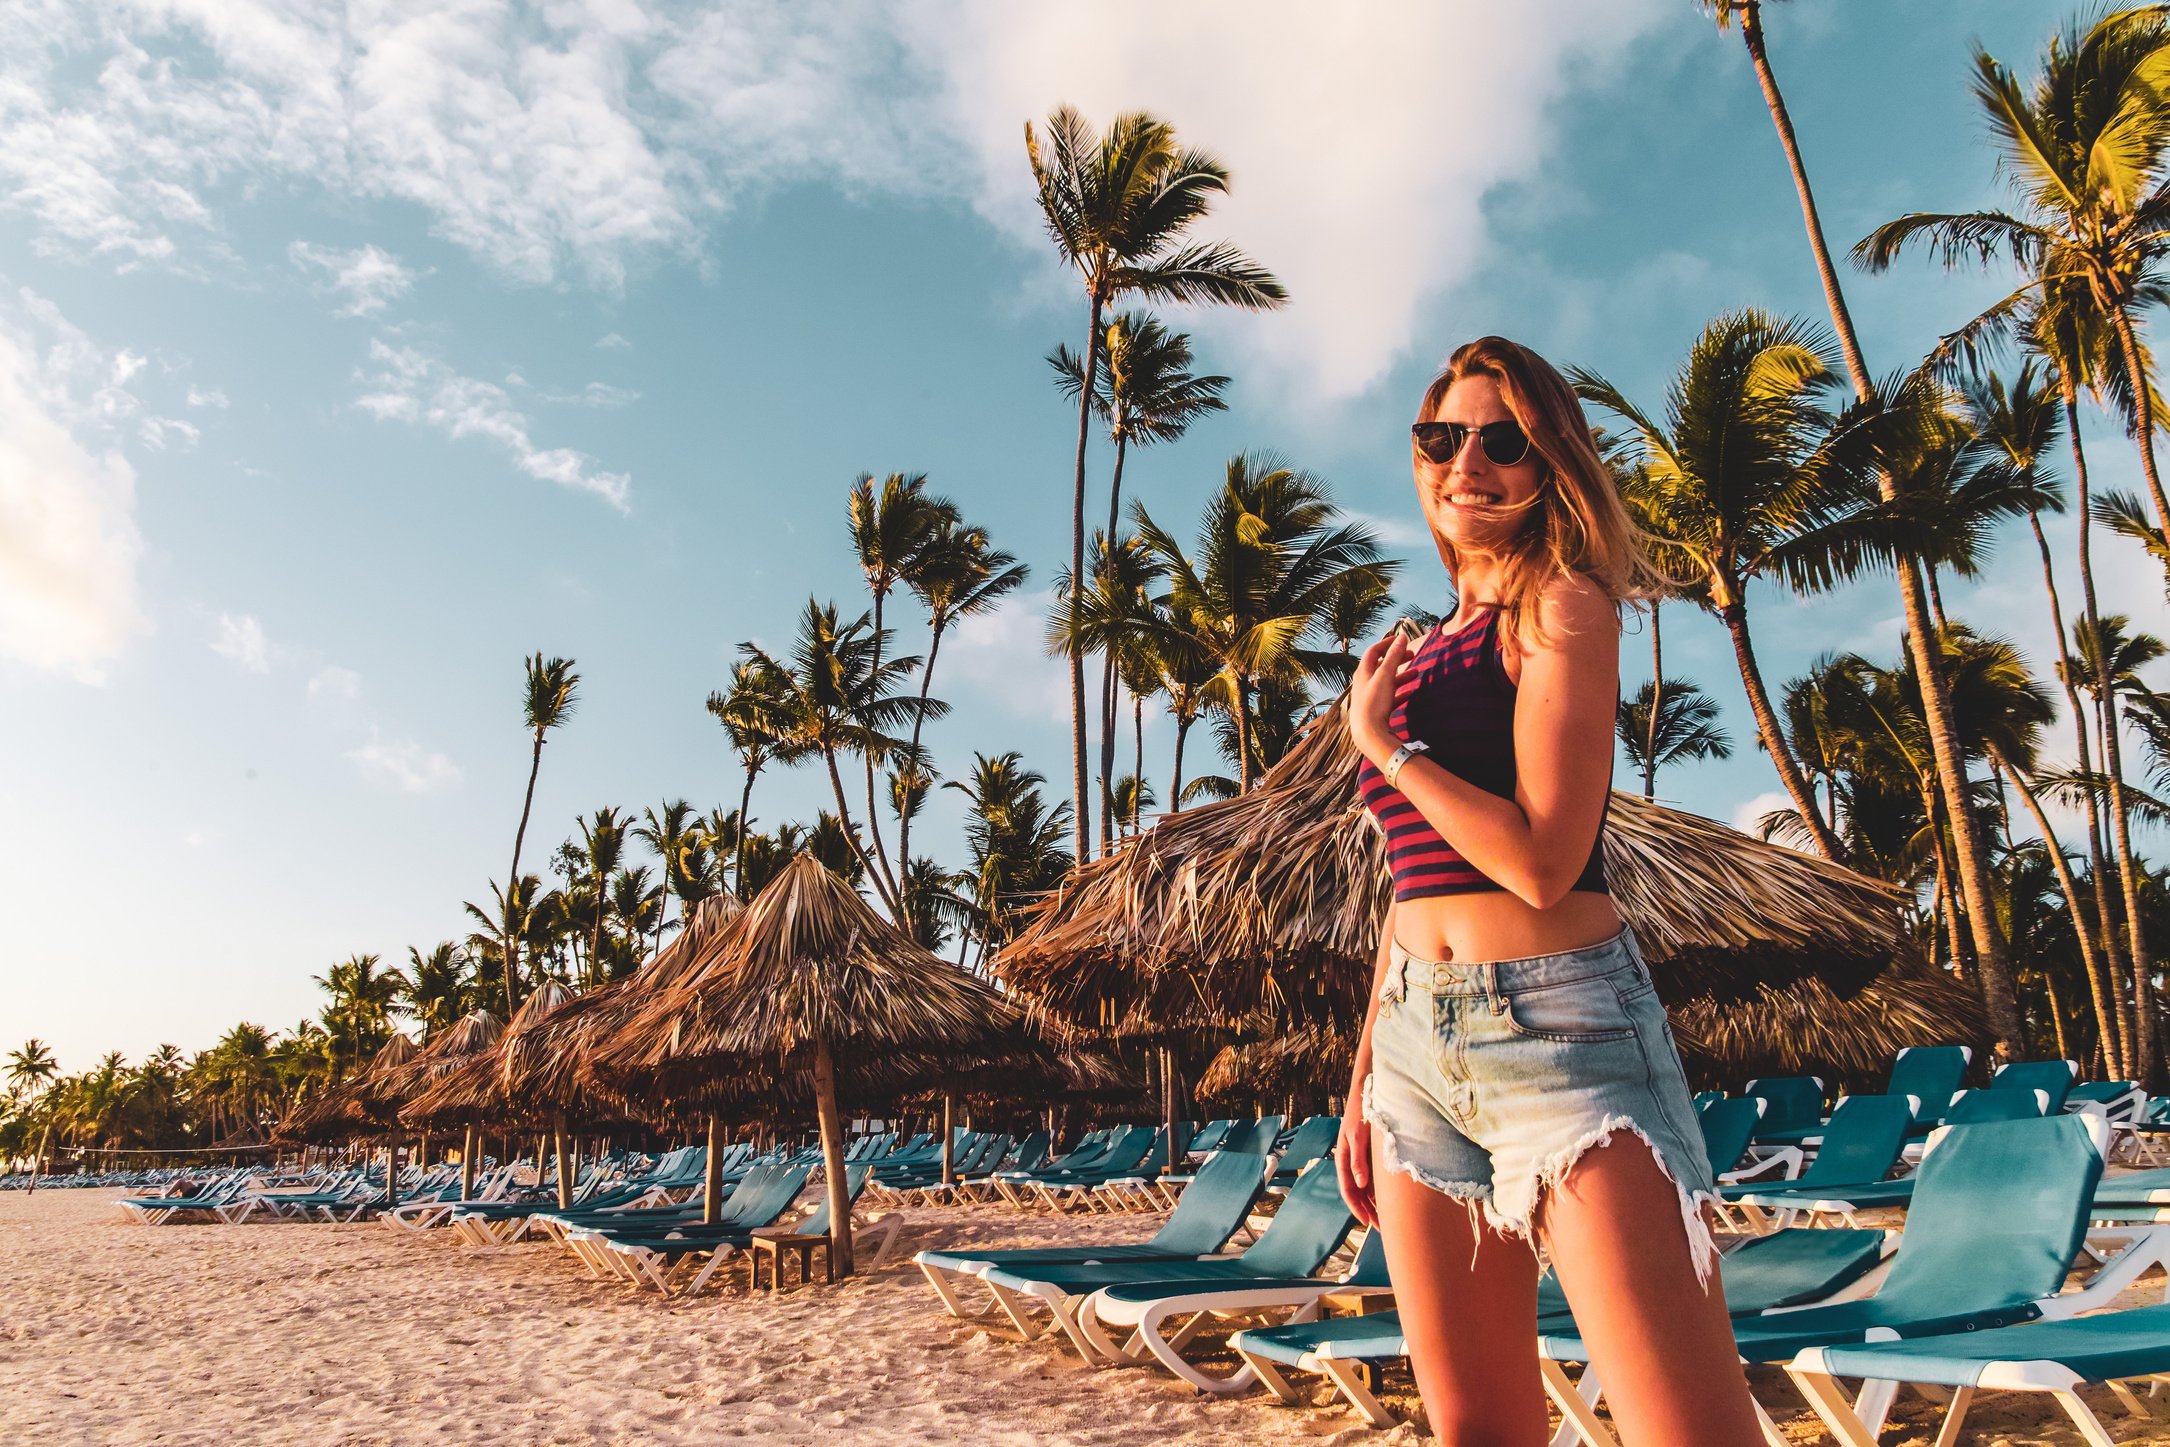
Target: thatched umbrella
(468, 1088)
(1268, 905)
(550, 1063)
(809, 972)
(475, 1033)
(1807, 1028)
(365, 1104)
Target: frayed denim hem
(1476, 1195)
(1702, 1246)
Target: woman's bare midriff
(1500, 926)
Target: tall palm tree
(1146, 394)
(845, 699)
(552, 690)
(1659, 728)
(1110, 614)
(1188, 678)
(1972, 849)
(670, 834)
(893, 524)
(1015, 840)
(31, 1068)
(1119, 209)
(758, 714)
(363, 997)
(1735, 484)
(505, 924)
(1272, 554)
(602, 845)
(961, 575)
(438, 991)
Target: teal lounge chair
(658, 1260)
(1208, 1216)
(1729, 1124)
(1764, 1273)
(1999, 1215)
(1861, 1143)
(2055, 1357)
(1793, 1110)
(1207, 1141)
(2053, 1076)
(1310, 1226)
(1313, 1140)
(1932, 1074)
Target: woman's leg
(1468, 1303)
(1661, 1343)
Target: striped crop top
(1457, 699)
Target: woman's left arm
(1535, 844)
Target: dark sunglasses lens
(1504, 443)
(1438, 441)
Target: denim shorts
(1490, 1080)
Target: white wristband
(1401, 756)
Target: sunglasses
(1504, 443)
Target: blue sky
(348, 354)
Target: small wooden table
(774, 1245)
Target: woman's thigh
(1468, 1303)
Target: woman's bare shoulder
(1572, 613)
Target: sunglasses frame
(1458, 433)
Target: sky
(350, 352)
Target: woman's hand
(1371, 696)
(1352, 1161)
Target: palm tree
(359, 1018)
(602, 846)
(500, 929)
(1920, 637)
(1187, 676)
(438, 991)
(31, 1068)
(758, 714)
(1658, 729)
(1015, 840)
(960, 575)
(1118, 209)
(1271, 557)
(552, 690)
(1147, 394)
(893, 525)
(1736, 485)
(1111, 614)
(638, 905)
(671, 834)
(845, 700)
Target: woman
(1516, 1092)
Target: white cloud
(68, 539)
(334, 687)
(596, 394)
(612, 342)
(403, 765)
(586, 137)
(199, 397)
(242, 642)
(367, 276)
(410, 386)
(156, 432)
(1748, 816)
(1001, 656)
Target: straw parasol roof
(365, 1105)
(807, 975)
(1807, 1028)
(468, 1087)
(1266, 906)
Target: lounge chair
(1313, 1140)
(1147, 1308)
(1861, 1143)
(1728, 1125)
(1310, 1226)
(1763, 1273)
(2055, 1357)
(2054, 1076)
(650, 1259)
(1793, 1113)
(1208, 1216)
(1932, 1074)
(1208, 1140)
(1999, 1215)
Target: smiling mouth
(1474, 499)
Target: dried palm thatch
(1308, 1063)
(810, 972)
(1267, 907)
(364, 1106)
(468, 1088)
(1807, 1028)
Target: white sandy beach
(323, 1335)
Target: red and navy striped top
(1457, 699)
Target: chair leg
(1954, 1417)
(1580, 1414)
(1270, 1374)
(2091, 1429)
(1348, 1379)
(1824, 1394)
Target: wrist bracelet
(1401, 756)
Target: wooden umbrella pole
(391, 1175)
(467, 1164)
(565, 1182)
(712, 1178)
(949, 1147)
(832, 1160)
(1168, 1107)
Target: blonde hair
(1576, 523)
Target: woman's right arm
(1353, 1159)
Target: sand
(327, 1335)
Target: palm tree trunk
(919, 719)
(832, 1160)
(1081, 821)
(2056, 1013)
(851, 836)
(745, 802)
(1973, 880)
(1243, 734)
(873, 813)
(1932, 810)
(1137, 764)
(1657, 703)
(1107, 662)
(1175, 788)
(1735, 616)
(2106, 1021)
(2141, 1047)
(512, 883)
(2143, 415)
(2111, 958)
